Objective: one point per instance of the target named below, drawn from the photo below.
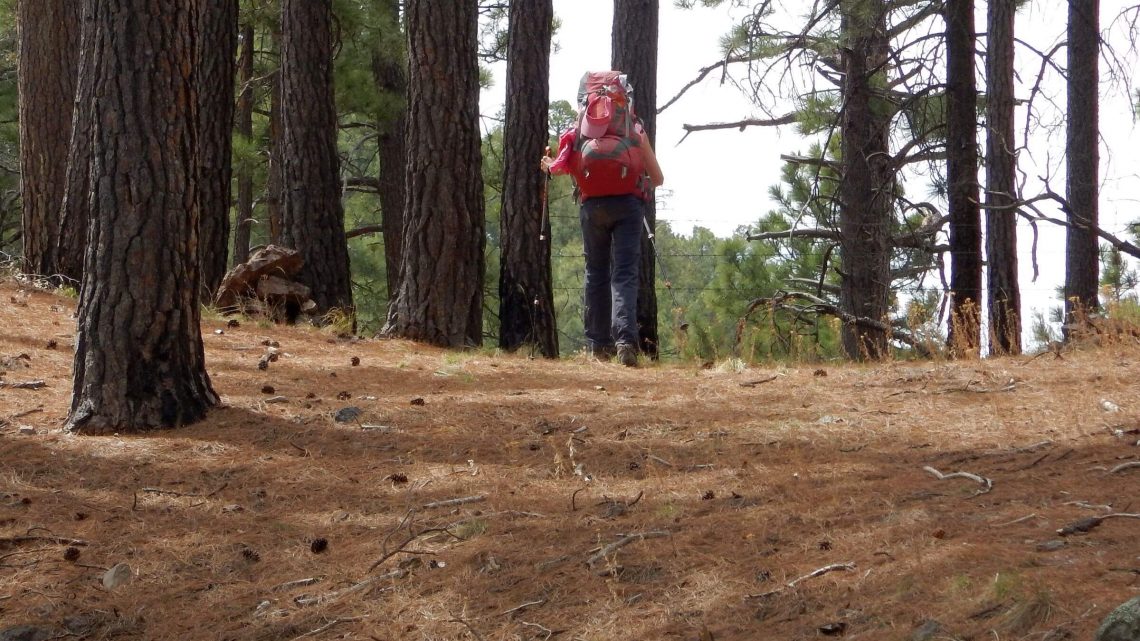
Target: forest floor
(665, 502)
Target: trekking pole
(545, 223)
(661, 268)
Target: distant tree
(526, 300)
(216, 45)
(311, 207)
(865, 204)
(1082, 258)
(244, 128)
(1004, 302)
(76, 208)
(635, 37)
(390, 70)
(48, 67)
(964, 335)
(440, 298)
(139, 362)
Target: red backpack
(608, 161)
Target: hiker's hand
(545, 163)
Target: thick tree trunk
(440, 299)
(139, 360)
(76, 208)
(390, 69)
(634, 46)
(244, 126)
(867, 185)
(1001, 182)
(964, 336)
(216, 45)
(274, 183)
(48, 67)
(312, 211)
(1082, 259)
(526, 297)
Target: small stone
(1122, 624)
(27, 429)
(1050, 546)
(219, 332)
(1108, 405)
(926, 631)
(347, 414)
(277, 399)
(118, 575)
(27, 633)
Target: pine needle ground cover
(370, 489)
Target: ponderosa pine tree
(48, 68)
(216, 45)
(440, 299)
(1004, 294)
(390, 70)
(526, 298)
(243, 126)
(634, 38)
(1082, 152)
(139, 361)
(76, 207)
(312, 214)
(964, 335)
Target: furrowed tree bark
(216, 46)
(867, 184)
(48, 60)
(76, 208)
(440, 299)
(244, 126)
(964, 332)
(390, 69)
(635, 37)
(526, 296)
(312, 214)
(1082, 256)
(139, 362)
(1001, 182)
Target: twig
(1087, 505)
(336, 594)
(469, 627)
(328, 625)
(24, 385)
(548, 631)
(304, 451)
(157, 490)
(758, 382)
(573, 499)
(1016, 521)
(523, 606)
(1124, 466)
(846, 567)
(403, 545)
(453, 502)
(606, 550)
(1084, 526)
(27, 412)
(289, 585)
(659, 460)
(986, 483)
(58, 540)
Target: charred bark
(1001, 182)
(526, 296)
(312, 214)
(440, 299)
(48, 67)
(1082, 256)
(139, 361)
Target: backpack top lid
(603, 97)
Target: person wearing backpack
(615, 171)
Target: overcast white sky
(719, 179)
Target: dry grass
(755, 483)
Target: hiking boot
(601, 352)
(627, 355)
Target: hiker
(615, 170)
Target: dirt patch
(598, 502)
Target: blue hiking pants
(611, 235)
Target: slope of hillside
(486, 496)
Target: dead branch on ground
(453, 502)
(987, 484)
(846, 567)
(1087, 525)
(609, 549)
(337, 621)
(1124, 466)
(398, 573)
